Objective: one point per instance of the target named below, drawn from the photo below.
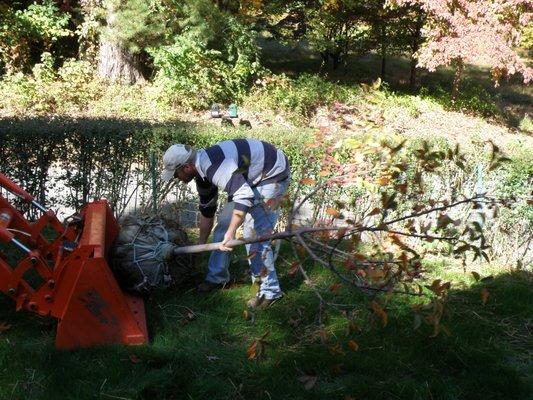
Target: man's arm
(237, 219)
(236, 186)
(206, 226)
(208, 205)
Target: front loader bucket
(91, 307)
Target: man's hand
(237, 218)
(227, 237)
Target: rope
(141, 264)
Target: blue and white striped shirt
(236, 166)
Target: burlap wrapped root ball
(138, 254)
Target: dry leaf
(293, 268)
(383, 181)
(336, 349)
(341, 232)
(251, 352)
(307, 181)
(353, 345)
(380, 313)
(375, 211)
(333, 288)
(349, 265)
(359, 257)
(402, 188)
(264, 272)
(4, 327)
(484, 295)
(334, 213)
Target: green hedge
(98, 157)
(101, 158)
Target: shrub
(526, 124)
(195, 73)
(22, 29)
(298, 98)
(472, 98)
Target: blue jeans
(259, 221)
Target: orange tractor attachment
(61, 270)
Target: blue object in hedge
(232, 110)
(215, 111)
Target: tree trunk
(325, 61)
(412, 76)
(117, 65)
(458, 64)
(383, 51)
(114, 61)
(336, 60)
(415, 45)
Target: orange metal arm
(14, 188)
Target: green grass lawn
(199, 344)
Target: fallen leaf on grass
(307, 181)
(353, 345)
(341, 232)
(294, 268)
(252, 350)
(4, 327)
(257, 348)
(380, 313)
(333, 288)
(349, 264)
(308, 380)
(334, 213)
(484, 295)
(383, 181)
(336, 349)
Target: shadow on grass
(509, 102)
(486, 356)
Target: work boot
(206, 287)
(261, 302)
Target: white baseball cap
(175, 156)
